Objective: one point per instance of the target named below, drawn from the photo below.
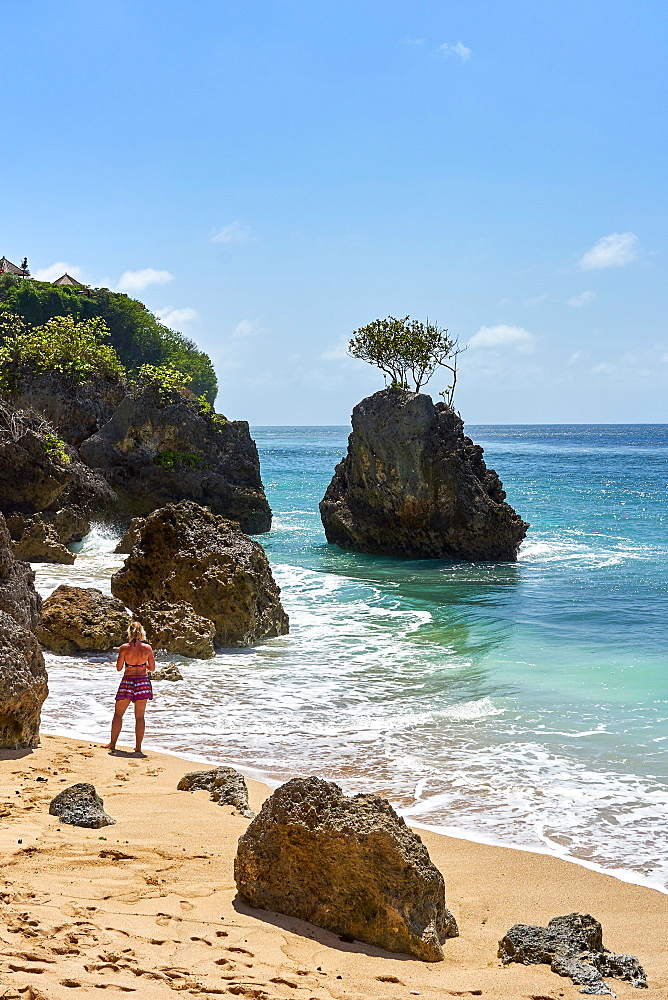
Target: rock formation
(572, 946)
(130, 536)
(80, 805)
(36, 540)
(350, 865)
(226, 786)
(177, 629)
(167, 673)
(187, 555)
(160, 447)
(23, 685)
(18, 597)
(82, 619)
(75, 410)
(413, 485)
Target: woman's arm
(120, 662)
(151, 661)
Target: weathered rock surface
(187, 555)
(80, 805)
(153, 452)
(36, 540)
(76, 411)
(350, 865)
(572, 946)
(226, 786)
(413, 485)
(177, 629)
(23, 685)
(167, 673)
(82, 619)
(18, 597)
(130, 536)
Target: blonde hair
(136, 631)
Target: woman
(136, 656)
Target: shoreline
(623, 875)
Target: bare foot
(138, 753)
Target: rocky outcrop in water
(188, 555)
(572, 946)
(413, 485)
(177, 629)
(18, 597)
(350, 865)
(23, 685)
(226, 786)
(36, 540)
(159, 446)
(167, 673)
(82, 619)
(75, 410)
(80, 805)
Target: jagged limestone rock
(82, 619)
(177, 629)
(76, 410)
(130, 536)
(80, 805)
(18, 597)
(167, 673)
(572, 946)
(36, 540)
(226, 786)
(350, 865)
(413, 485)
(23, 685)
(187, 555)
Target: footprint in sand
(240, 951)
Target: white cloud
(459, 50)
(245, 328)
(615, 250)
(236, 232)
(577, 356)
(170, 317)
(339, 351)
(502, 336)
(413, 41)
(583, 299)
(54, 271)
(537, 300)
(137, 281)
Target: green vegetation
(136, 335)
(55, 446)
(169, 459)
(406, 349)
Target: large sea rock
(159, 447)
(23, 685)
(75, 410)
(177, 629)
(350, 865)
(188, 555)
(82, 619)
(18, 597)
(413, 485)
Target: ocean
(522, 704)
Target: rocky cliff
(413, 485)
(75, 410)
(160, 447)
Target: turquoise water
(523, 703)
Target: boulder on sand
(23, 685)
(572, 946)
(350, 865)
(225, 785)
(177, 629)
(187, 555)
(413, 485)
(82, 619)
(160, 447)
(80, 805)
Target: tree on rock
(407, 350)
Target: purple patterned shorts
(135, 688)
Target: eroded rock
(18, 597)
(413, 485)
(159, 447)
(350, 865)
(80, 805)
(167, 673)
(226, 786)
(188, 555)
(130, 536)
(36, 540)
(177, 629)
(572, 946)
(74, 409)
(23, 685)
(82, 619)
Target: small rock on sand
(80, 805)
(226, 786)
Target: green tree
(407, 350)
(24, 266)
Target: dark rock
(572, 946)
(36, 540)
(350, 865)
(18, 597)
(227, 787)
(130, 537)
(23, 685)
(76, 411)
(153, 452)
(80, 805)
(413, 485)
(82, 619)
(167, 673)
(177, 629)
(187, 555)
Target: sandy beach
(149, 905)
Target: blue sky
(270, 175)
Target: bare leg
(117, 723)
(140, 725)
